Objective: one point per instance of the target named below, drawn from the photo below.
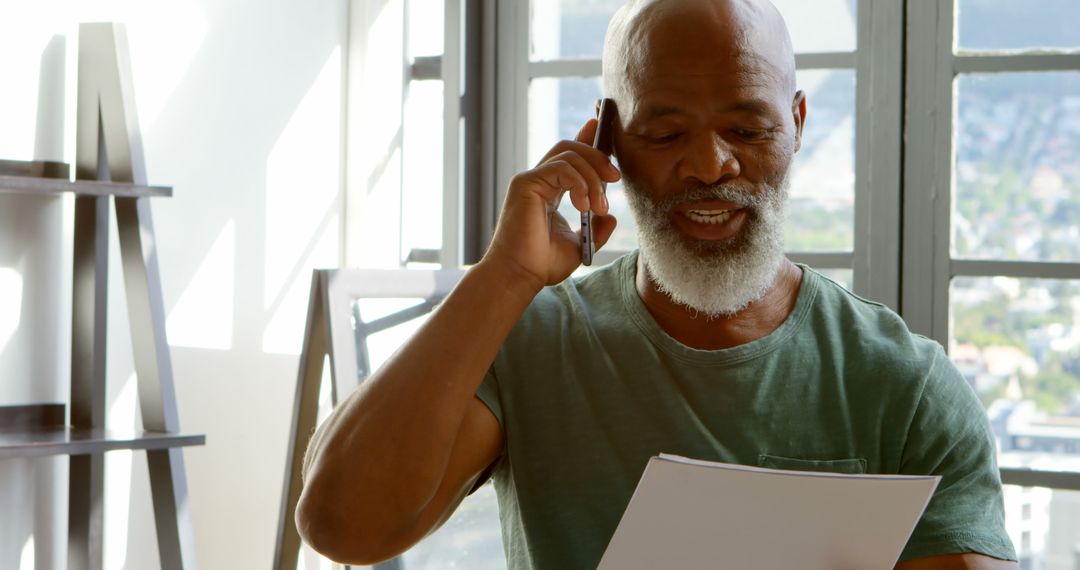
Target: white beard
(716, 278)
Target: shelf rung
(71, 441)
(25, 417)
(36, 168)
(32, 185)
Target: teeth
(709, 216)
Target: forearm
(383, 452)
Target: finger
(595, 188)
(587, 132)
(562, 146)
(559, 176)
(600, 162)
(583, 146)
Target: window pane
(821, 25)
(557, 109)
(422, 190)
(1044, 525)
(570, 29)
(1017, 342)
(821, 212)
(426, 21)
(470, 539)
(1018, 166)
(383, 344)
(1018, 24)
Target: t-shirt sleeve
(488, 392)
(950, 436)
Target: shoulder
(576, 301)
(870, 331)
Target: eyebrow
(759, 106)
(756, 106)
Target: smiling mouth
(709, 216)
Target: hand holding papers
(699, 514)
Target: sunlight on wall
(26, 35)
(375, 138)
(118, 477)
(10, 303)
(26, 559)
(164, 39)
(303, 192)
(383, 62)
(203, 315)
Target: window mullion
(1018, 62)
(1018, 269)
(486, 143)
(878, 140)
(927, 191)
(512, 86)
(451, 76)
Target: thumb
(603, 227)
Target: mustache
(726, 192)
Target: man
(708, 343)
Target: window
(991, 265)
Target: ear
(798, 113)
(615, 126)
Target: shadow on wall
(33, 332)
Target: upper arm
(478, 445)
(949, 436)
(967, 561)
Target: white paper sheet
(691, 514)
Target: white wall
(240, 104)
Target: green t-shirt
(587, 387)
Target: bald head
(645, 36)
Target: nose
(709, 159)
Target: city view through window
(1017, 197)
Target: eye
(665, 138)
(752, 134)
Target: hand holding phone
(602, 142)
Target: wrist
(509, 277)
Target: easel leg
(86, 512)
(157, 391)
(86, 482)
(172, 514)
(305, 416)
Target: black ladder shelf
(109, 171)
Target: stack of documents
(690, 514)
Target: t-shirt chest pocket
(853, 466)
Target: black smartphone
(603, 142)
